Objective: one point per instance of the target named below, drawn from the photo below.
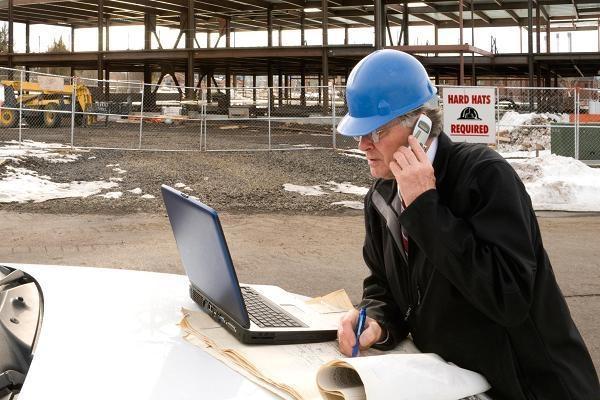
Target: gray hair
(431, 109)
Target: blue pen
(360, 326)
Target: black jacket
(478, 289)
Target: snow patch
(21, 185)
(357, 205)
(347, 187)
(111, 195)
(559, 183)
(304, 190)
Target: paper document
(288, 368)
(313, 371)
(408, 376)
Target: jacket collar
(441, 157)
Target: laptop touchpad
(292, 309)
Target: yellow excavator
(42, 106)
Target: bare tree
(4, 39)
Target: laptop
(252, 313)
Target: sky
(508, 39)
(553, 182)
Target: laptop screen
(204, 252)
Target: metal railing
(89, 113)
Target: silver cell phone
(422, 130)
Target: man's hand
(347, 333)
(413, 171)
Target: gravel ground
(228, 181)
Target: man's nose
(365, 143)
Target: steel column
(538, 20)
(378, 21)
(270, 26)
(228, 86)
(325, 57)
(302, 85)
(345, 34)
(405, 38)
(461, 72)
(147, 32)
(107, 24)
(27, 34)
(473, 75)
(100, 39)
(280, 88)
(548, 34)
(190, 34)
(530, 44)
(227, 32)
(10, 37)
(302, 22)
(436, 34)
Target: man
(453, 247)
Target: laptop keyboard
(263, 314)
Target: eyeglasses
(377, 134)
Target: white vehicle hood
(113, 334)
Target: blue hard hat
(382, 86)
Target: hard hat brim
(352, 126)
(359, 126)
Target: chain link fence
(91, 113)
(106, 113)
(587, 121)
(535, 119)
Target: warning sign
(469, 114)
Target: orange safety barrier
(585, 118)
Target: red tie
(404, 235)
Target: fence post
(142, 115)
(333, 115)
(576, 97)
(201, 102)
(73, 100)
(21, 111)
(269, 114)
(203, 123)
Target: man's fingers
(395, 168)
(346, 334)
(400, 158)
(370, 336)
(416, 148)
(409, 155)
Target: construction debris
(530, 131)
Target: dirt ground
(308, 254)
